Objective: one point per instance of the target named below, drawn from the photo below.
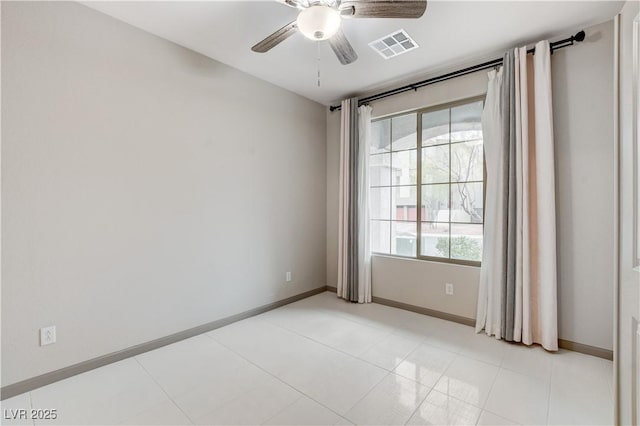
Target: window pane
(467, 161)
(403, 130)
(435, 239)
(466, 122)
(452, 175)
(380, 234)
(435, 127)
(380, 203)
(467, 202)
(435, 164)
(435, 199)
(380, 136)
(405, 167)
(403, 238)
(403, 203)
(466, 242)
(380, 170)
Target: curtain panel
(364, 240)
(348, 226)
(517, 298)
(354, 254)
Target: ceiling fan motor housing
(319, 22)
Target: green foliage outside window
(461, 248)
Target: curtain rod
(459, 73)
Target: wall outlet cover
(448, 289)
(47, 335)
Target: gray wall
(146, 189)
(583, 95)
(333, 181)
(629, 279)
(583, 127)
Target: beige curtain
(491, 289)
(536, 273)
(517, 299)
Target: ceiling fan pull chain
(318, 60)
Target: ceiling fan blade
(402, 9)
(276, 38)
(342, 48)
(298, 4)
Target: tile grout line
(495, 379)
(323, 344)
(295, 332)
(501, 368)
(501, 416)
(392, 371)
(275, 377)
(508, 370)
(394, 331)
(346, 316)
(418, 381)
(33, 421)
(366, 394)
(415, 410)
(163, 390)
(422, 341)
(433, 388)
(247, 392)
(454, 398)
(553, 361)
(343, 315)
(399, 375)
(284, 408)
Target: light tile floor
(323, 361)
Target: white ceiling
(450, 33)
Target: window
(445, 171)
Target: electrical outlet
(288, 277)
(47, 335)
(448, 289)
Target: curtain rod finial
(580, 36)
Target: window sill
(452, 262)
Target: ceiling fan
(321, 20)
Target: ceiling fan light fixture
(319, 22)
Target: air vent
(394, 44)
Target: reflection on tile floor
(323, 361)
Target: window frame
(419, 184)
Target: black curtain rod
(459, 73)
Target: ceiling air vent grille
(394, 44)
